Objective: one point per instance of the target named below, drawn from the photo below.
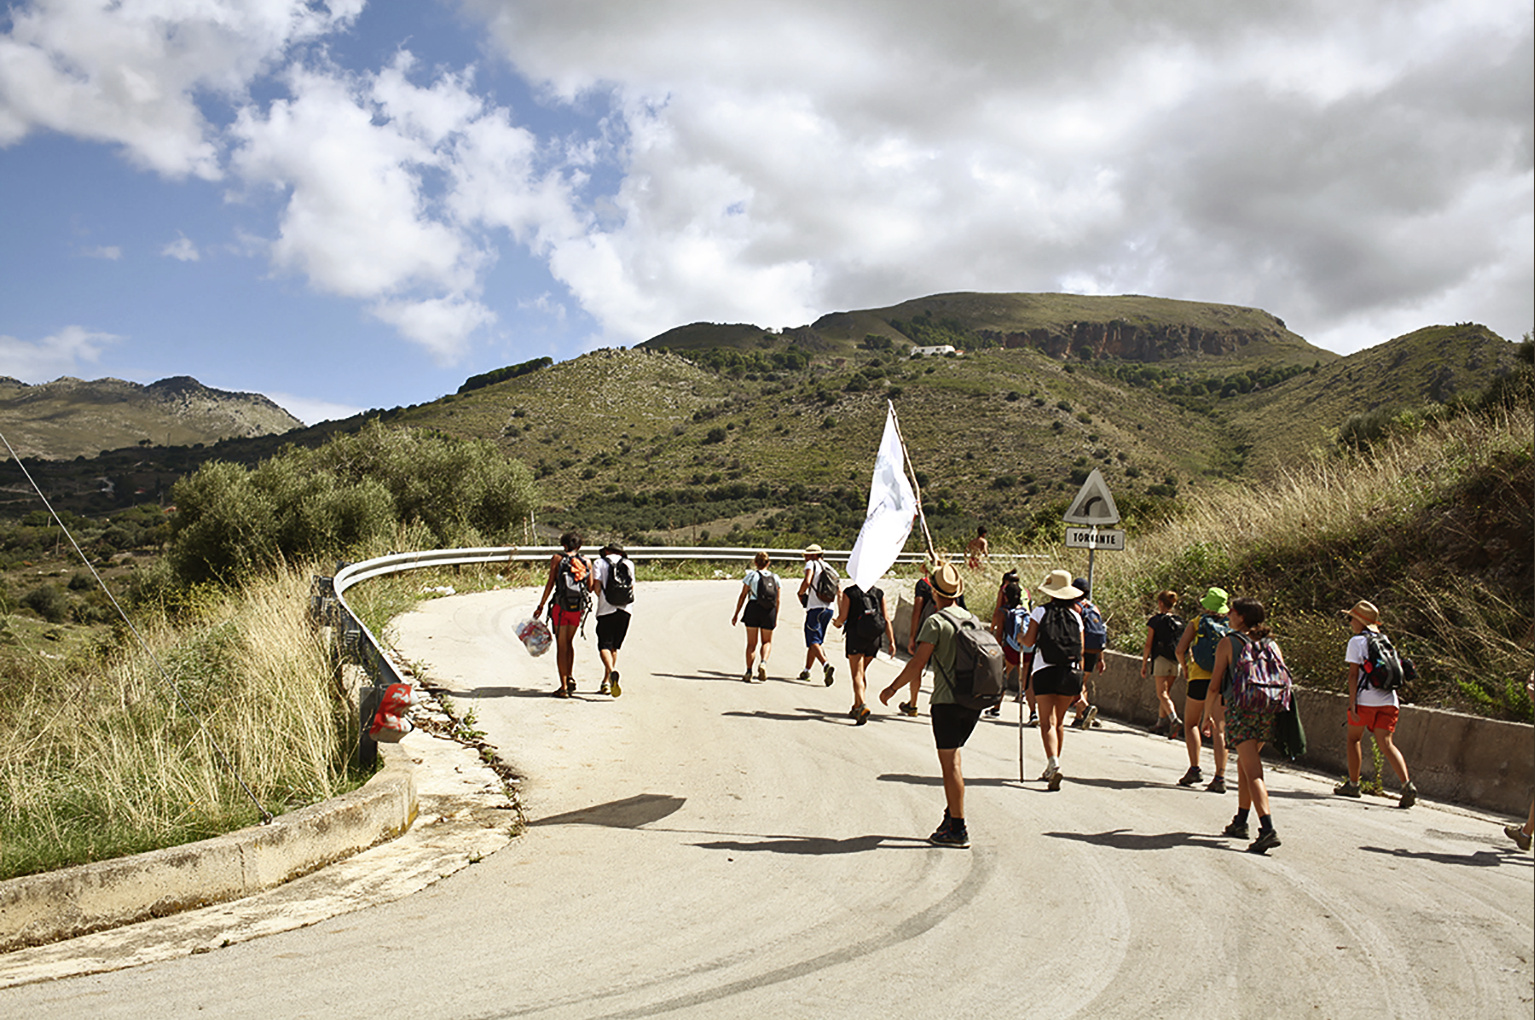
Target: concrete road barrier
(39, 909)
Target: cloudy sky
(353, 204)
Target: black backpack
(979, 669)
(869, 622)
(826, 583)
(1059, 641)
(767, 590)
(1166, 631)
(570, 590)
(618, 589)
(1383, 669)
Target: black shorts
(865, 646)
(952, 725)
(760, 616)
(611, 628)
(1090, 662)
(1199, 689)
(1058, 680)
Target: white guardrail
(328, 603)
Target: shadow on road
(816, 845)
(936, 780)
(1480, 859)
(629, 813)
(1124, 839)
(802, 715)
(704, 674)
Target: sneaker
(1236, 830)
(1054, 782)
(603, 688)
(1347, 788)
(762, 673)
(804, 674)
(949, 834)
(831, 672)
(1160, 726)
(1517, 834)
(746, 677)
(1409, 795)
(993, 711)
(1265, 842)
(908, 710)
(863, 715)
(1217, 785)
(1090, 717)
(1192, 776)
(1044, 777)
(1033, 719)
(564, 691)
(1076, 723)
(1175, 731)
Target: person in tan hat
(818, 613)
(952, 722)
(1372, 700)
(1055, 631)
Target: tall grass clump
(1434, 526)
(98, 758)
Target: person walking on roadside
(1249, 731)
(979, 549)
(861, 616)
(1095, 638)
(613, 582)
(569, 574)
(759, 594)
(922, 606)
(1196, 654)
(952, 722)
(1523, 835)
(1006, 619)
(1160, 658)
(817, 593)
(1372, 701)
(1055, 632)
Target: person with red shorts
(1370, 708)
(568, 607)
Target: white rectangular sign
(1106, 538)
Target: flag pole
(916, 489)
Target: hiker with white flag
(892, 506)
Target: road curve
(701, 847)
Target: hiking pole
(1022, 707)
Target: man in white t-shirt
(818, 613)
(1370, 707)
(612, 619)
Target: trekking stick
(1022, 707)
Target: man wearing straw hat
(818, 613)
(952, 722)
(1370, 707)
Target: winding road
(702, 847)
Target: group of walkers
(1050, 649)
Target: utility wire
(266, 816)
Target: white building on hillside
(933, 352)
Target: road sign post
(1093, 507)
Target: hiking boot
(564, 691)
(614, 689)
(1192, 776)
(1174, 728)
(1236, 830)
(950, 834)
(908, 710)
(1347, 788)
(762, 674)
(804, 674)
(1266, 841)
(831, 672)
(746, 677)
(1517, 834)
(1409, 795)
(1161, 726)
(1044, 777)
(1054, 782)
(862, 715)
(1218, 784)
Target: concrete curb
(39, 909)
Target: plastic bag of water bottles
(535, 636)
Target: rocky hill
(70, 417)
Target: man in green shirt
(952, 722)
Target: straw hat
(1057, 584)
(945, 581)
(812, 549)
(1216, 601)
(1365, 613)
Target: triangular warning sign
(1094, 504)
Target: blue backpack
(1207, 635)
(1014, 626)
(1095, 634)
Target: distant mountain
(70, 417)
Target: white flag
(892, 506)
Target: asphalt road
(707, 848)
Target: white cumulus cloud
(182, 250)
(63, 353)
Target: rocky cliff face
(71, 417)
(1130, 341)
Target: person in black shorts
(1056, 671)
(759, 594)
(612, 620)
(866, 634)
(952, 722)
